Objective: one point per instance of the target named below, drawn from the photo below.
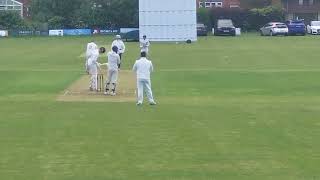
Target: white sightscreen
(168, 20)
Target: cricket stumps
(100, 82)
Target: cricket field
(229, 108)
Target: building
(302, 9)
(11, 5)
(218, 3)
(26, 8)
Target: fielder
(143, 68)
(93, 67)
(113, 69)
(91, 46)
(144, 44)
(120, 45)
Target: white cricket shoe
(106, 93)
(153, 103)
(113, 94)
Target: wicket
(100, 82)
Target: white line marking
(80, 70)
(238, 70)
(66, 93)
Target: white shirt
(93, 59)
(143, 68)
(90, 47)
(113, 60)
(144, 45)
(119, 43)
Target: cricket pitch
(79, 90)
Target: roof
(10, 2)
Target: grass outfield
(243, 108)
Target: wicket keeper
(91, 46)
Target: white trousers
(112, 76)
(145, 49)
(86, 65)
(144, 85)
(111, 83)
(93, 70)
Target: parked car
(314, 27)
(296, 27)
(132, 35)
(202, 30)
(224, 27)
(274, 28)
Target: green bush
(56, 22)
(247, 20)
(259, 17)
(204, 17)
(10, 20)
(239, 16)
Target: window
(300, 2)
(17, 7)
(268, 25)
(311, 2)
(11, 5)
(234, 6)
(219, 4)
(306, 2)
(210, 4)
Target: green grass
(242, 108)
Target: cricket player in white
(113, 69)
(93, 67)
(143, 68)
(120, 45)
(90, 48)
(144, 44)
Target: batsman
(113, 70)
(93, 67)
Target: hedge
(245, 19)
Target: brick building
(302, 9)
(26, 7)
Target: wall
(230, 3)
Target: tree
(204, 17)
(277, 3)
(43, 10)
(56, 22)
(87, 13)
(249, 4)
(259, 17)
(10, 20)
